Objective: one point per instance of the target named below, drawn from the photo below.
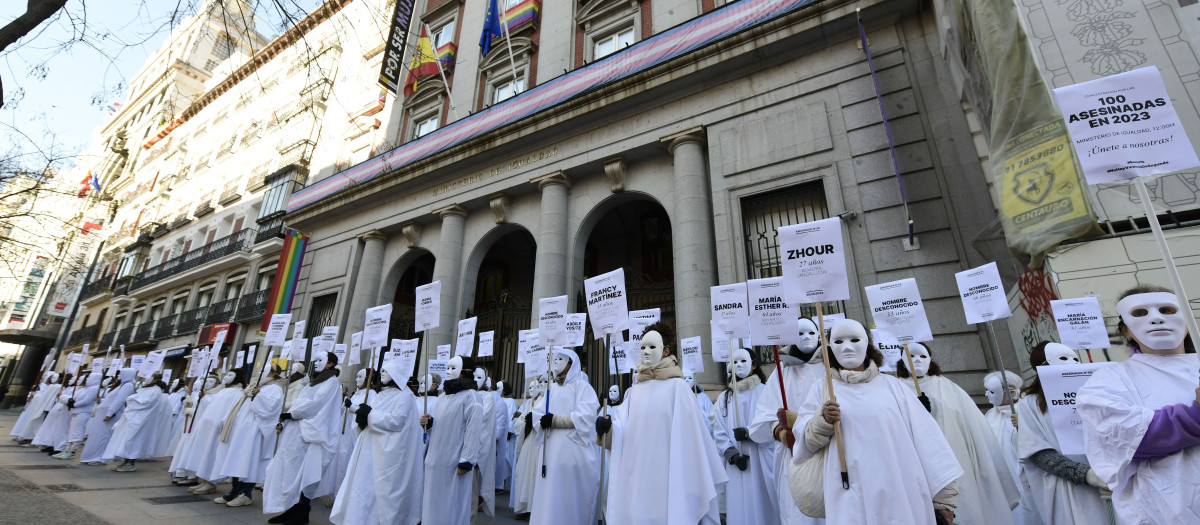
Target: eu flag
(492, 27)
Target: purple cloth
(1172, 429)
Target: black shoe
(285, 517)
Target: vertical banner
(393, 55)
(982, 294)
(485, 343)
(552, 320)
(1080, 323)
(897, 308)
(575, 326)
(606, 304)
(464, 344)
(729, 309)
(813, 261)
(287, 273)
(375, 326)
(277, 329)
(428, 306)
(772, 319)
(690, 349)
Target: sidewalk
(35, 488)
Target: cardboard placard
(437, 367)
(982, 294)
(443, 352)
(464, 344)
(814, 262)
(618, 357)
(408, 356)
(429, 298)
(772, 319)
(650, 313)
(536, 362)
(692, 352)
(607, 308)
(393, 351)
(327, 339)
(166, 376)
(1080, 323)
(355, 357)
(1060, 383)
(729, 309)
(375, 326)
(486, 340)
(526, 339)
(299, 328)
(575, 328)
(136, 362)
(340, 351)
(219, 341)
(250, 353)
(240, 359)
(552, 320)
(897, 307)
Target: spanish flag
(424, 63)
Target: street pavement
(38, 489)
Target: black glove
(360, 418)
(528, 423)
(70, 403)
(348, 403)
(925, 402)
(603, 425)
(285, 416)
(741, 434)
(466, 465)
(547, 421)
(741, 461)
(430, 425)
(363, 409)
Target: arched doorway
(634, 235)
(404, 299)
(502, 300)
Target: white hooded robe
(454, 438)
(144, 429)
(384, 475)
(999, 418)
(31, 419)
(750, 496)
(525, 472)
(569, 492)
(797, 379)
(251, 442)
(200, 457)
(99, 431)
(304, 461)
(1056, 499)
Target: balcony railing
(221, 312)
(144, 332)
(191, 320)
(271, 229)
(86, 334)
(236, 242)
(125, 335)
(164, 327)
(93, 289)
(107, 340)
(252, 307)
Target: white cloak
(82, 413)
(569, 492)
(706, 408)
(896, 455)
(180, 419)
(503, 414)
(31, 418)
(383, 481)
(750, 496)
(99, 430)
(666, 464)
(987, 492)
(144, 429)
(1006, 435)
(796, 379)
(525, 472)
(304, 461)
(181, 449)
(349, 431)
(485, 471)
(1117, 405)
(1056, 499)
(454, 438)
(53, 432)
(251, 440)
(200, 458)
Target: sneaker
(67, 455)
(126, 467)
(220, 500)
(95, 463)
(239, 501)
(204, 488)
(58, 456)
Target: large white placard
(1060, 383)
(607, 308)
(649, 313)
(721, 340)
(375, 326)
(982, 294)
(692, 351)
(552, 320)
(897, 308)
(1124, 126)
(486, 340)
(1080, 323)
(327, 339)
(443, 352)
(219, 341)
(408, 356)
(729, 309)
(151, 364)
(438, 367)
(393, 351)
(814, 263)
(536, 363)
(339, 350)
(277, 329)
(891, 349)
(526, 339)
(356, 348)
(772, 319)
(429, 299)
(464, 344)
(136, 362)
(299, 349)
(298, 330)
(619, 360)
(575, 328)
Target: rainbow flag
(286, 275)
(446, 55)
(521, 13)
(423, 63)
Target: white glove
(1095, 481)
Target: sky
(60, 80)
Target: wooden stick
(737, 419)
(837, 427)
(912, 370)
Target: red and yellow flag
(424, 63)
(286, 275)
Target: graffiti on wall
(1032, 321)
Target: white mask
(480, 377)
(809, 338)
(848, 341)
(1154, 319)
(385, 377)
(210, 382)
(105, 382)
(228, 378)
(500, 387)
(559, 364)
(360, 378)
(742, 363)
(423, 384)
(652, 348)
(320, 360)
(174, 383)
(993, 388)
(297, 368)
(921, 359)
(533, 388)
(690, 379)
(454, 367)
(1060, 354)
(613, 393)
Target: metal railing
(252, 307)
(236, 242)
(221, 312)
(107, 339)
(125, 335)
(164, 327)
(86, 334)
(270, 229)
(191, 320)
(144, 332)
(93, 289)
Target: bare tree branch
(36, 12)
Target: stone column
(447, 268)
(550, 262)
(693, 246)
(366, 286)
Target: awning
(175, 352)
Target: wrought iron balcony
(125, 335)
(93, 289)
(87, 334)
(221, 312)
(143, 333)
(107, 339)
(191, 320)
(238, 241)
(252, 307)
(164, 327)
(270, 229)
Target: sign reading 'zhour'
(814, 264)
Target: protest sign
(729, 309)
(356, 348)
(575, 326)
(277, 329)
(408, 356)
(464, 344)
(298, 329)
(772, 319)
(437, 367)
(619, 360)
(606, 303)
(896, 307)
(692, 353)
(151, 364)
(655, 314)
(136, 362)
(891, 349)
(982, 294)
(813, 261)
(327, 339)
(166, 376)
(428, 308)
(219, 341)
(250, 353)
(1080, 323)
(526, 339)
(443, 352)
(722, 352)
(486, 340)
(375, 326)
(536, 363)
(339, 350)
(552, 320)
(1060, 383)
(240, 360)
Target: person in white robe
(614, 409)
(303, 465)
(454, 447)
(504, 412)
(428, 389)
(182, 426)
(198, 458)
(525, 472)
(384, 478)
(801, 366)
(52, 435)
(667, 465)
(1142, 416)
(178, 392)
(900, 467)
(1065, 489)
(484, 486)
(107, 414)
(1000, 418)
(987, 493)
(504, 477)
(35, 410)
(295, 383)
(349, 435)
(187, 410)
(144, 429)
(750, 496)
(568, 434)
(247, 439)
(80, 406)
(702, 399)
